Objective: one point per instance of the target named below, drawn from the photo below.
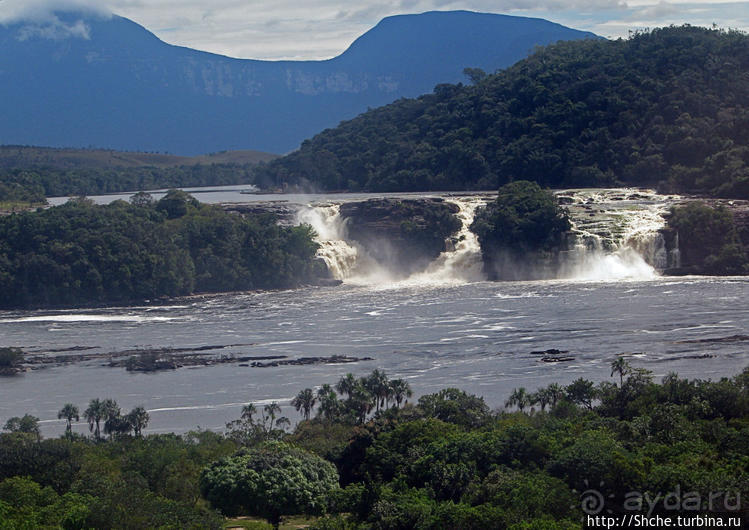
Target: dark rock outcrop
(403, 234)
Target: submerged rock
(333, 359)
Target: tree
(329, 407)
(70, 413)
(360, 403)
(400, 390)
(453, 405)
(113, 421)
(475, 75)
(93, 415)
(541, 397)
(248, 411)
(176, 203)
(582, 392)
(270, 411)
(305, 402)
(518, 398)
(10, 357)
(377, 385)
(142, 199)
(27, 424)
(622, 367)
(524, 217)
(346, 385)
(138, 419)
(556, 392)
(269, 481)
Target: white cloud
(44, 10)
(55, 30)
(317, 29)
(41, 20)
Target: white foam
(86, 318)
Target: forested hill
(79, 78)
(665, 107)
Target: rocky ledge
(403, 234)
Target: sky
(321, 29)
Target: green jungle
(364, 457)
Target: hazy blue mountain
(108, 82)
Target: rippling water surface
(476, 336)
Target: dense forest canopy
(665, 107)
(444, 462)
(81, 253)
(28, 174)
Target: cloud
(41, 11)
(40, 18)
(55, 30)
(320, 29)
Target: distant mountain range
(94, 81)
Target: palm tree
(283, 423)
(70, 413)
(329, 404)
(360, 403)
(111, 415)
(400, 390)
(518, 398)
(270, 412)
(305, 402)
(346, 385)
(377, 384)
(622, 367)
(556, 392)
(248, 411)
(541, 397)
(93, 415)
(138, 419)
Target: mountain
(665, 108)
(87, 80)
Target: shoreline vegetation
(133, 253)
(80, 253)
(363, 456)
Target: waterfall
(339, 256)
(350, 262)
(617, 235)
(461, 262)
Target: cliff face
(403, 234)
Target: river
(434, 330)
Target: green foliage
(523, 218)
(405, 467)
(452, 405)
(270, 480)
(709, 239)
(79, 253)
(10, 357)
(249, 430)
(27, 424)
(29, 174)
(661, 107)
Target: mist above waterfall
(339, 256)
(616, 235)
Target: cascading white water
(339, 256)
(348, 261)
(616, 237)
(462, 262)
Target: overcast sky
(320, 29)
